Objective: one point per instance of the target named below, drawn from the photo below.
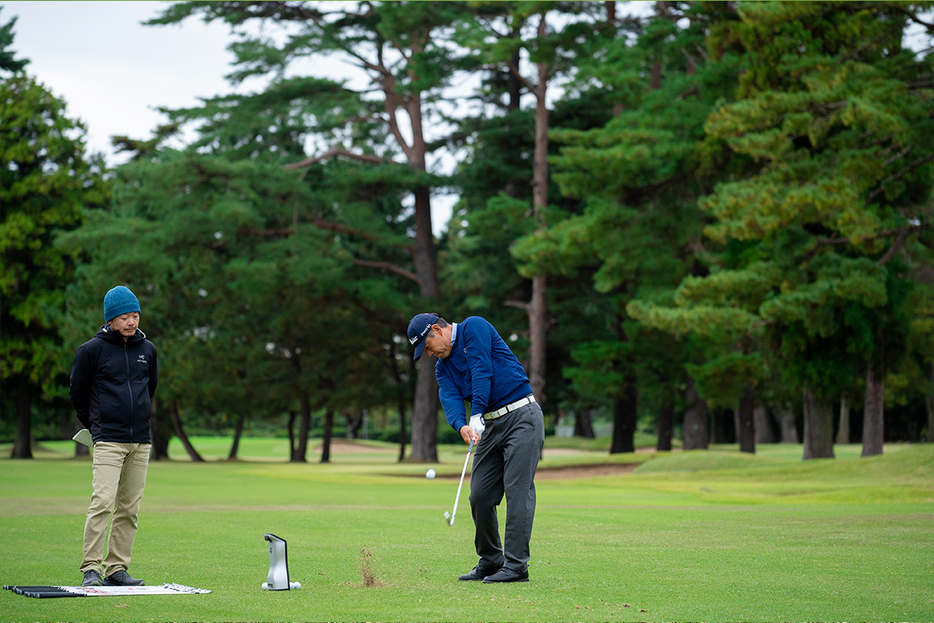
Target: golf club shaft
(463, 472)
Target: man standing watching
(475, 365)
(113, 379)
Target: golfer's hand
(468, 434)
(476, 423)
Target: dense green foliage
(47, 184)
(738, 220)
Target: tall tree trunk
(624, 417)
(402, 433)
(666, 421)
(513, 83)
(929, 402)
(717, 431)
(238, 433)
(538, 311)
(656, 79)
(22, 438)
(538, 307)
(873, 412)
(354, 424)
(843, 431)
(291, 429)
(746, 430)
(425, 407)
(763, 425)
(786, 423)
(328, 433)
(424, 255)
(69, 427)
(401, 396)
(694, 427)
(304, 429)
(583, 424)
(425, 428)
(180, 433)
(160, 432)
(818, 427)
(426, 401)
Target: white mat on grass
(103, 591)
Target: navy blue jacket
(481, 370)
(112, 384)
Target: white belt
(492, 415)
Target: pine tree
(829, 138)
(46, 178)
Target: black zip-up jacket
(112, 384)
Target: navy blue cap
(419, 327)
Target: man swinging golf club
(475, 365)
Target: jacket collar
(115, 338)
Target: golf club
(458, 496)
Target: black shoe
(506, 575)
(92, 577)
(122, 578)
(477, 573)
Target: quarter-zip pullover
(481, 369)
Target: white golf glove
(476, 423)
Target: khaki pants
(119, 480)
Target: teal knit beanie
(119, 301)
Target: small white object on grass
(292, 586)
(430, 474)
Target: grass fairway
(686, 536)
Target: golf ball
(430, 474)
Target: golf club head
(447, 518)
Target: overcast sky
(114, 72)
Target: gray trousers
(504, 463)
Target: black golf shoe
(91, 578)
(506, 575)
(122, 578)
(476, 574)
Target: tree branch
(519, 304)
(899, 241)
(281, 232)
(514, 70)
(307, 162)
(320, 223)
(898, 156)
(390, 267)
(282, 11)
(901, 234)
(910, 14)
(897, 176)
(833, 241)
